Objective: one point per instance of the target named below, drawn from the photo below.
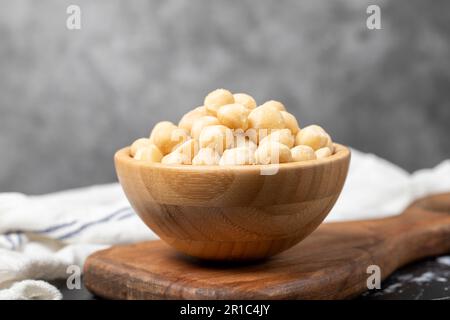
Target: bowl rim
(341, 153)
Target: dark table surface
(425, 279)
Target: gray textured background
(69, 99)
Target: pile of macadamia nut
(230, 129)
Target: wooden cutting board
(330, 264)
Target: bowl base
(233, 250)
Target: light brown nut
(272, 152)
(283, 136)
(142, 142)
(176, 158)
(201, 123)
(217, 137)
(257, 135)
(188, 148)
(290, 121)
(323, 153)
(165, 135)
(250, 134)
(188, 119)
(179, 136)
(302, 153)
(313, 136)
(206, 157)
(217, 98)
(149, 153)
(233, 116)
(330, 145)
(245, 99)
(275, 104)
(241, 140)
(237, 156)
(265, 117)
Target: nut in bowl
(219, 208)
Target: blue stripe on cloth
(92, 223)
(15, 239)
(19, 238)
(55, 227)
(127, 215)
(11, 242)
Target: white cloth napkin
(41, 236)
(376, 188)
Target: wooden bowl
(233, 212)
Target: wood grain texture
(329, 264)
(233, 212)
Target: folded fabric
(376, 188)
(31, 289)
(41, 236)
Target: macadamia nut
(234, 116)
(165, 135)
(283, 136)
(330, 145)
(290, 121)
(176, 158)
(266, 117)
(188, 119)
(323, 153)
(217, 98)
(139, 143)
(244, 99)
(201, 123)
(230, 129)
(241, 140)
(251, 134)
(272, 152)
(206, 157)
(188, 148)
(148, 153)
(275, 104)
(237, 156)
(217, 137)
(313, 136)
(302, 153)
